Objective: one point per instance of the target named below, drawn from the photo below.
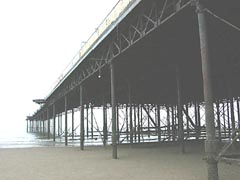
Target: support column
(104, 124)
(54, 122)
(92, 121)
(81, 118)
(196, 121)
(27, 125)
(135, 124)
(238, 113)
(113, 102)
(232, 117)
(138, 127)
(117, 123)
(43, 125)
(173, 124)
(218, 122)
(66, 123)
(159, 123)
(73, 124)
(87, 133)
(130, 114)
(59, 123)
(48, 126)
(188, 128)
(228, 120)
(180, 115)
(168, 123)
(224, 119)
(210, 143)
(127, 130)
(148, 122)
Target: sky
(38, 39)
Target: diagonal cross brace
(188, 118)
(149, 116)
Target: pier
(154, 71)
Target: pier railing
(114, 14)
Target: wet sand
(95, 163)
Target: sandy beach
(94, 163)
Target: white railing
(114, 14)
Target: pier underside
(158, 79)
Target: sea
(23, 140)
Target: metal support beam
(196, 120)
(73, 124)
(180, 109)
(113, 102)
(218, 122)
(81, 118)
(127, 130)
(173, 125)
(159, 123)
(66, 123)
(138, 127)
(130, 114)
(117, 123)
(104, 124)
(168, 123)
(87, 120)
(238, 113)
(48, 120)
(54, 122)
(92, 121)
(27, 126)
(232, 117)
(210, 143)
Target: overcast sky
(38, 38)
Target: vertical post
(232, 117)
(224, 120)
(59, 123)
(187, 113)
(30, 126)
(196, 121)
(130, 113)
(135, 124)
(173, 124)
(72, 123)
(127, 130)
(168, 123)
(81, 118)
(138, 117)
(148, 122)
(141, 122)
(159, 123)
(210, 143)
(48, 120)
(228, 120)
(40, 125)
(54, 122)
(27, 125)
(43, 124)
(218, 122)
(117, 121)
(180, 115)
(113, 102)
(92, 121)
(238, 112)
(66, 123)
(104, 123)
(199, 119)
(87, 120)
